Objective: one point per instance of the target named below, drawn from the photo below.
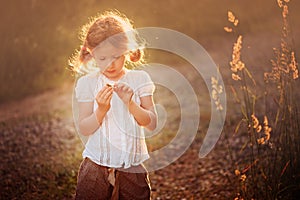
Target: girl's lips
(110, 71)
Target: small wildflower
(295, 75)
(243, 177)
(293, 66)
(254, 121)
(238, 197)
(236, 63)
(267, 128)
(219, 105)
(268, 135)
(214, 81)
(214, 95)
(220, 89)
(228, 29)
(258, 129)
(237, 172)
(266, 76)
(266, 122)
(216, 89)
(231, 16)
(233, 67)
(236, 22)
(235, 77)
(267, 132)
(285, 11)
(280, 4)
(240, 65)
(261, 141)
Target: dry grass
(267, 166)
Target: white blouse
(119, 141)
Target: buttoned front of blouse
(119, 141)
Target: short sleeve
(146, 87)
(83, 90)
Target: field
(41, 150)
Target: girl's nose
(110, 64)
(113, 63)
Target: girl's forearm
(91, 123)
(88, 125)
(146, 118)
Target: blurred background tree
(38, 36)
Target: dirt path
(41, 153)
(39, 147)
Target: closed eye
(101, 58)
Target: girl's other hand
(103, 98)
(124, 92)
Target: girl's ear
(135, 56)
(85, 55)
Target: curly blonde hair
(101, 28)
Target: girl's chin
(110, 73)
(113, 74)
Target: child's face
(109, 59)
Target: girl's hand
(103, 98)
(124, 92)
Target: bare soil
(41, 153)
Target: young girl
(114, 105)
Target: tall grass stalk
(269, 160)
